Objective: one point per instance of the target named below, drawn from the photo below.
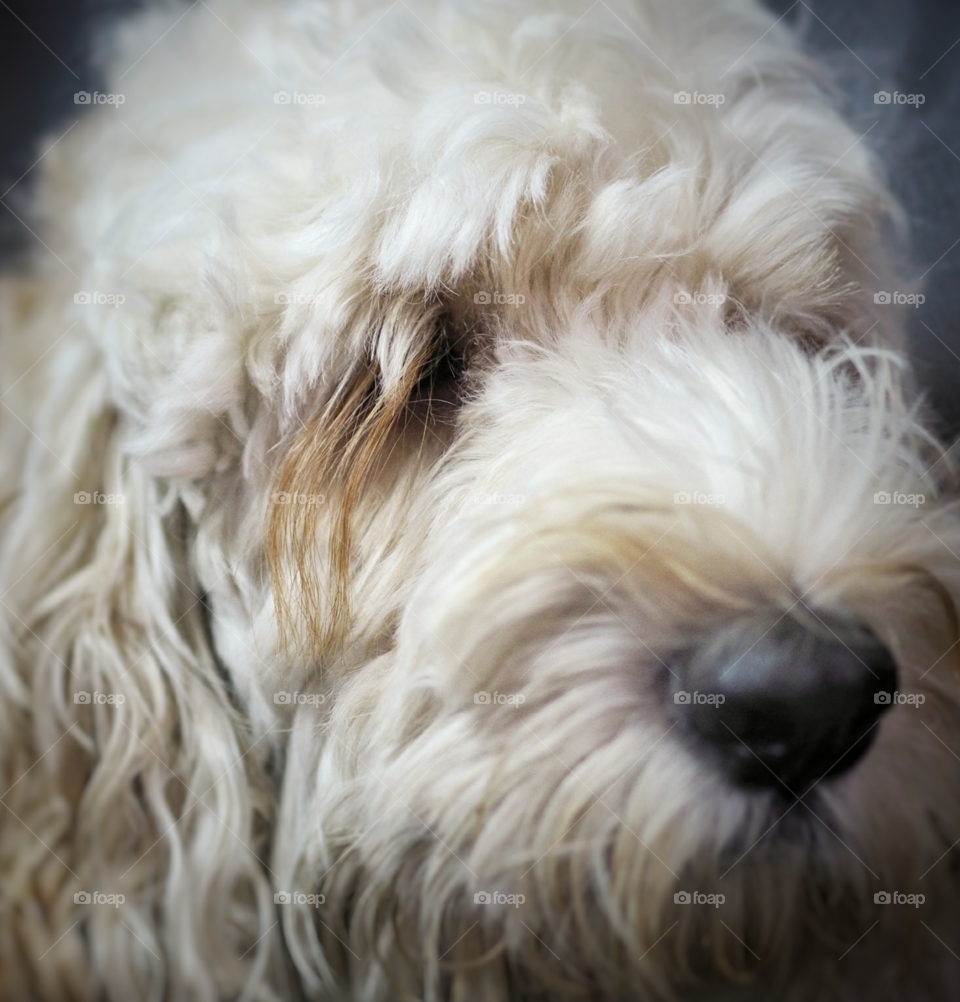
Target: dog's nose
(782, 704)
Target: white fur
(265, 252)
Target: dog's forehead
(410, 173)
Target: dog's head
(540, 479)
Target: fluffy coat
(408, 326)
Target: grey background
(912, 46)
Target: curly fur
(313, 303)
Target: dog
(469, 530)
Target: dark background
(911, 46)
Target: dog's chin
(603, 915)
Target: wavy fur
(402, 300)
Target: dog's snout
(783, 704)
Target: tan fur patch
(337, 453)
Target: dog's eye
(440, 391)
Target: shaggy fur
(458, 295)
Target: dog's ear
(337, 454)
(124, 764)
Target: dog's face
(651, 600)
(582, 574)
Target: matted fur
(298, 281)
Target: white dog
(464, 519)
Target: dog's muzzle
(783, 704)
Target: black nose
(784, 703)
